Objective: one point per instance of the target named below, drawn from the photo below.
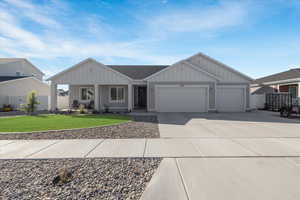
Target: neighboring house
(287, 81)
(196, 84)
(18, 77)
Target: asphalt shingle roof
(9, 78)
(138, 72)
(290, 74)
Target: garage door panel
(231, 99)
(181, 99)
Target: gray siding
(74, 92)
(104, 96)
(152, 85)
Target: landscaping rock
(103, 178)
(140, 127)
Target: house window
(117, 95)
(86, 93)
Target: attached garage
(181, 98)
(231, 98)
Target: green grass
(57, 122)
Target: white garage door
(181, 98)
(231, 99)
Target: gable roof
(9, 78)
(83, 62)
(138, 72)
(9, 60)
(286, 75)
(210, 59)
(144, 72)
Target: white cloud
(56, 39)
(10, 29)
(18, 41)
(202, 19)
(38, 14)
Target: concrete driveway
(246, 156)
(258, 124)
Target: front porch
(104, 98)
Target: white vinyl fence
(17, 101)
(257, 101)
(62, 102)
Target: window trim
(116, 101)
(80, 94)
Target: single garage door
(175, 98)
(230, 99)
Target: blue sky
(256, 37)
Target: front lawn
(57, 122)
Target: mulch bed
(103, 178)
(140, 127)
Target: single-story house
(287, 81)
(196, 84)
(18, 77)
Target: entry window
(117, 95)
(86, 93)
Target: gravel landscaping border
(97, 178)
(140, 127)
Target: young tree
(31, 103)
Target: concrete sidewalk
(168, 148)
(225, 178)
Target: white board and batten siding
(180, 72)
(90, 72)
(177, 98)
(224, 73)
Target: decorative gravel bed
(140, 127)
(104, 178)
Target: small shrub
(81, 109)
(7, 108)
(31, 104)
(64, 176)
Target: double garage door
(195, 98)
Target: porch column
(129, 97)
(96, 86)
(53, 96)
(298, 91)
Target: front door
(140, 97)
